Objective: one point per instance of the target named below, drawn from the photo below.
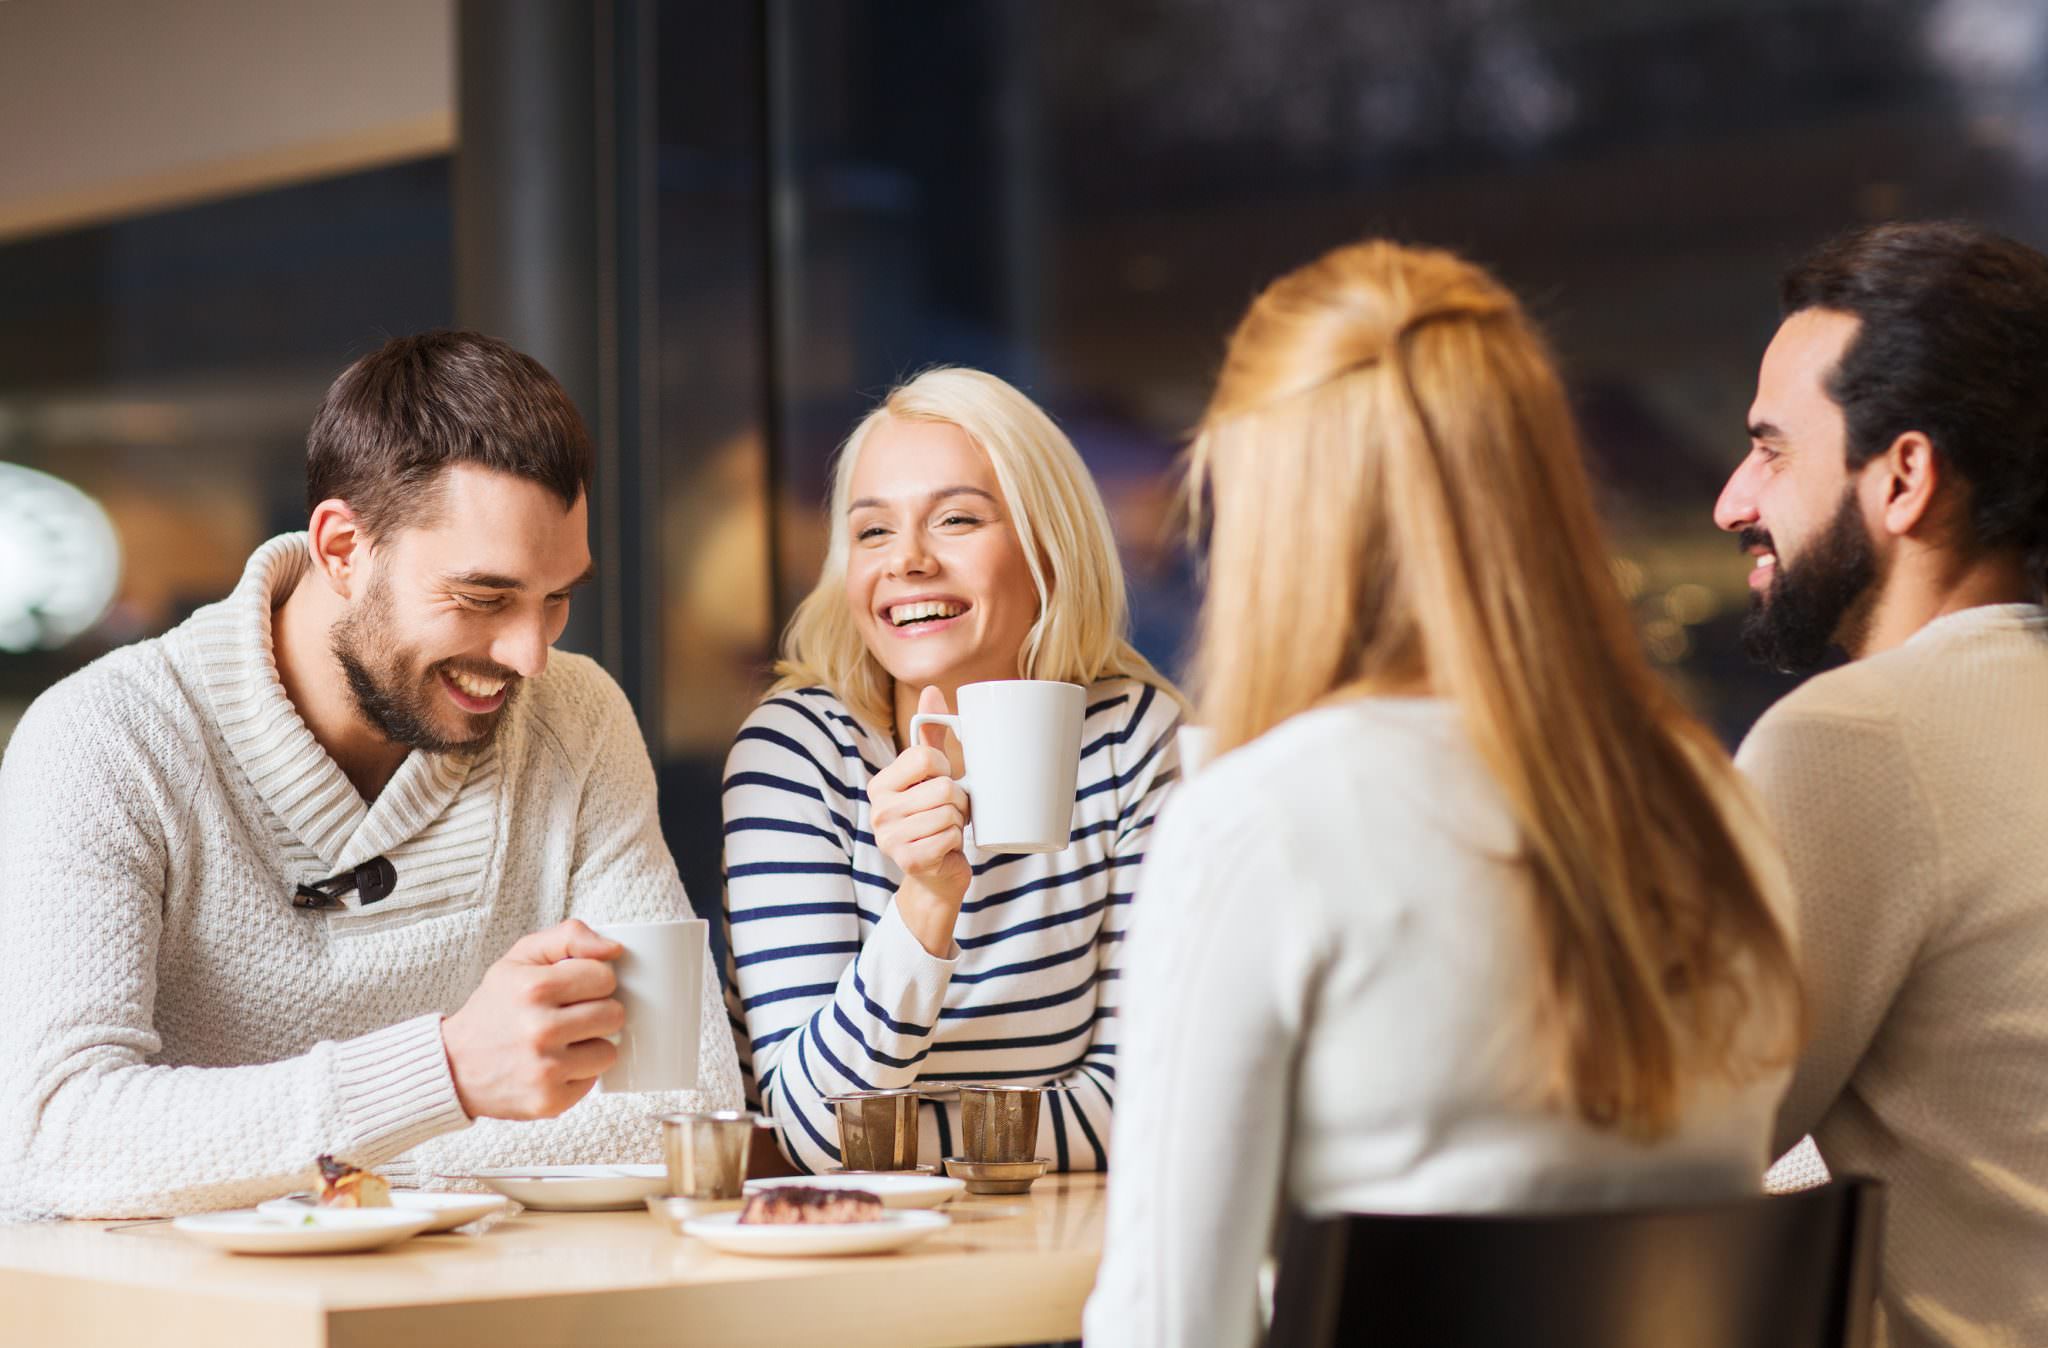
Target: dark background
(797, 202)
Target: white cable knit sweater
(175, 1036)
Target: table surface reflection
(1009, 1270)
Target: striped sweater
(830, 991)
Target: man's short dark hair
(1953, 344)
(394, 420)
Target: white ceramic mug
(1022, 742)
(661, 983)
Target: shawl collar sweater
(175, 1036)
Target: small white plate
(446, 1211)
(321, 1231)
(895, 1191)
(576, 1188)
(722, 1231)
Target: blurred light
(1690, 603)
(1628, 576)
(1997, 41)
(60, 560)
(1666, 641)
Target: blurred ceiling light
(59, 560)
(2002, 41)
(1994, 54)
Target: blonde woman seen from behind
(1471, 915)
(874, 945)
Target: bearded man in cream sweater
(213, 977)
(1896, 499)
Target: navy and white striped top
(831, 992)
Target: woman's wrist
(929, 917)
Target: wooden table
(1009, 1270)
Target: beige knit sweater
(1910, 791)
(175, 1036)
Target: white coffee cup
(1197, 745)
(661, 983)
(1022, 742)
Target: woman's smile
(919, 616)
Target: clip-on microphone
(374, 880)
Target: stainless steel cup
(706, 1154)
(877, 1129)
(999, 1123)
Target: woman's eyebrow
(871, 502)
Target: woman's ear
(338, 545)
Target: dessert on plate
(345, 1186)
(805, 1205)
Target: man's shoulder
(576, 708)
(129, 701)
(1865, 693)
(1842, 733)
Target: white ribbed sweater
(1332, 965)
(1910, 791)
(175, 1036)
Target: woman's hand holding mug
(920, 819)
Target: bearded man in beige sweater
(307, 873)
(1895, 497)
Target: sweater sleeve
(622, 872)
(1210, 1031)
(1075, 1125)
(825, 1010)
(1830, 784)
(92, 1127)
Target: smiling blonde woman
(1520, 936)
(873, 945)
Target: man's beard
(1794, 621)
(390, 689)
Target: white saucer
(722, 1231)
(445, 1211)
(309, 1231)
(576, 1188)
(895, 1191)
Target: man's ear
(1905, 480)
(339, 547)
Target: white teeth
(1764, 559)
(476, 687)
(930, 608)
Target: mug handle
(947, 719)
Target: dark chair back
(1797, 1271)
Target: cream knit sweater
(175, 1036)
(1910, 791)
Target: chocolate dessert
(793, 1204)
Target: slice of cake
(802, 1204)
(344, 1186)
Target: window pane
(1083, 197)
(168, 367)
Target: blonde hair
(1083, 625)
(1400, 506)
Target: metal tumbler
(706, 1154)
(999, 1123)
(877, 1129)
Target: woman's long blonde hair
(1400, 505)
(1083, 625)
